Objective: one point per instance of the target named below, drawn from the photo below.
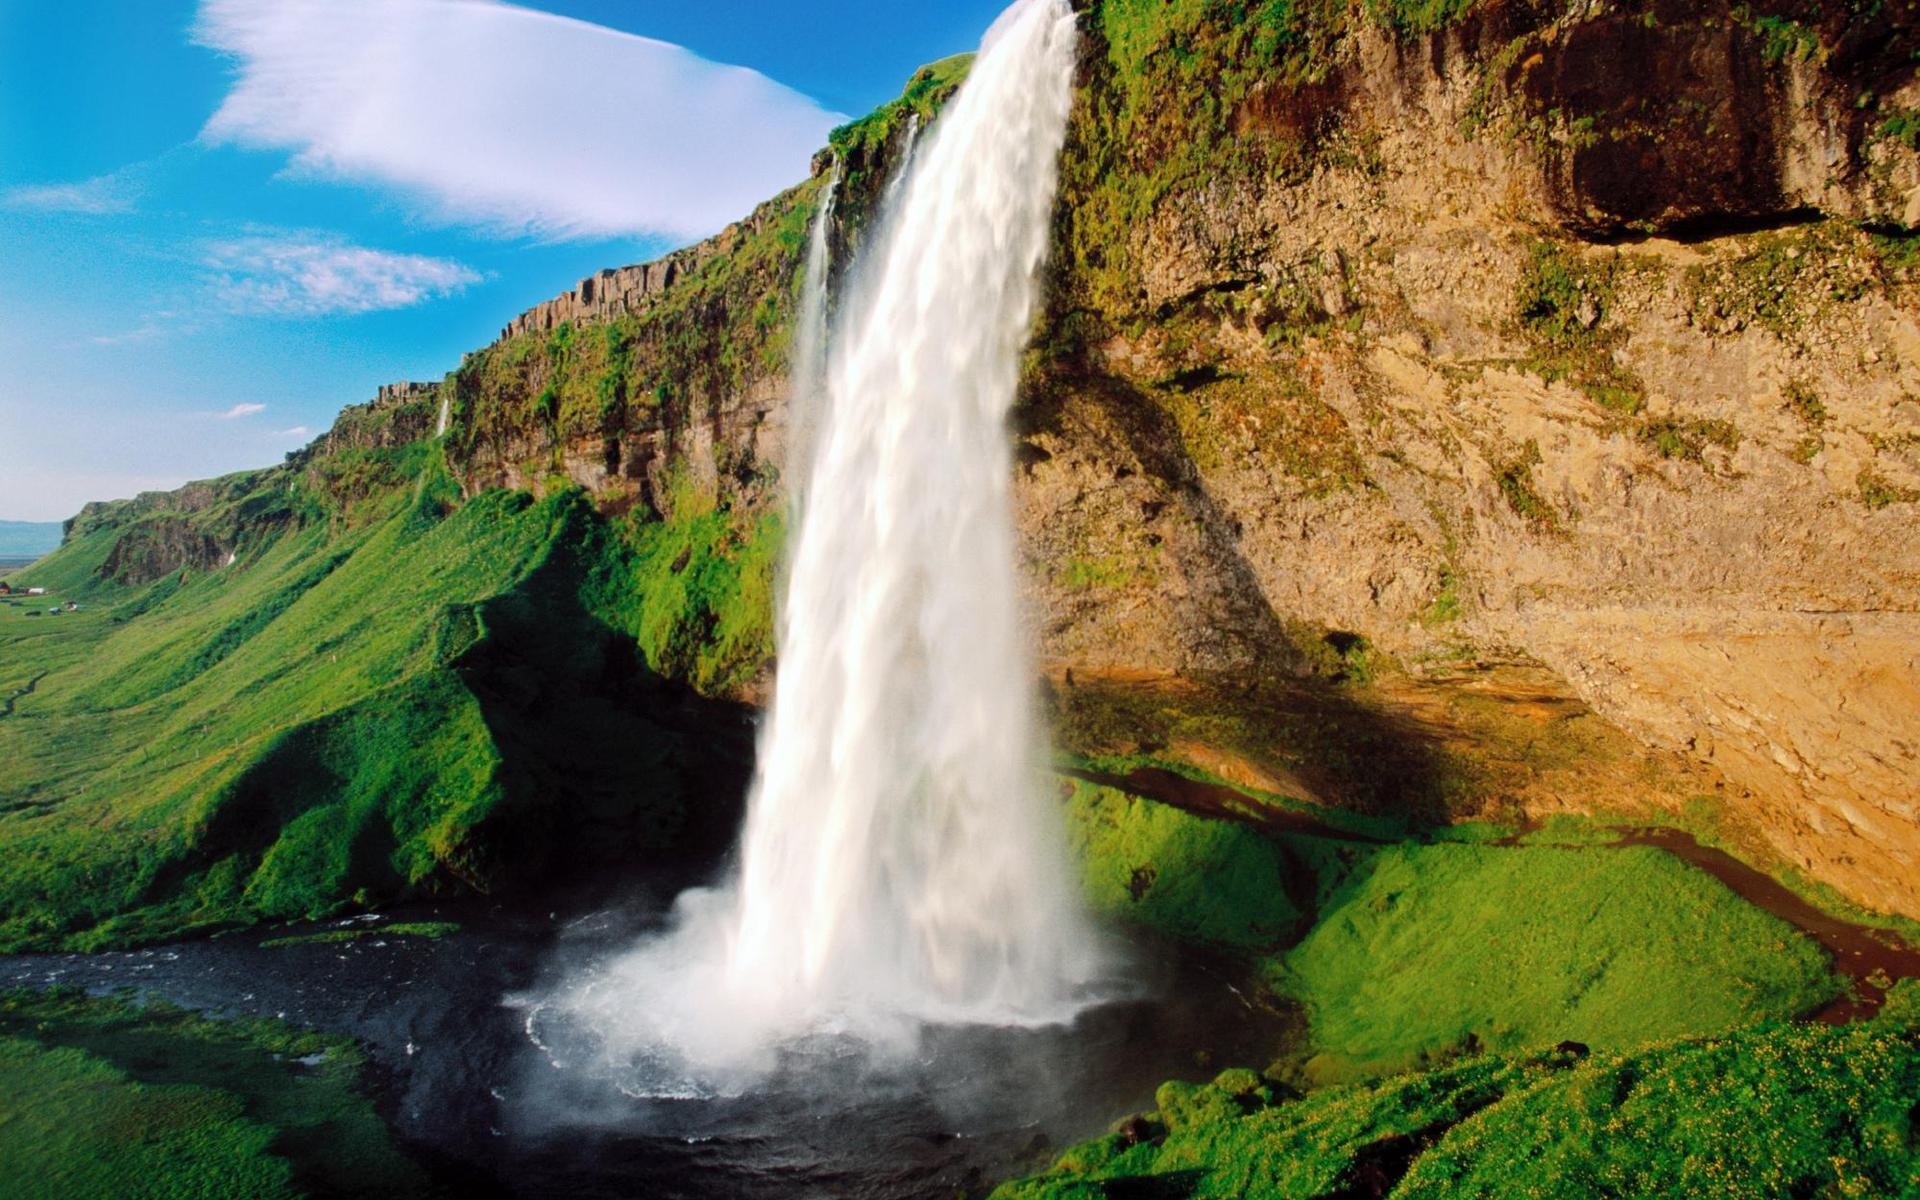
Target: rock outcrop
(1535, 385)
(1581, 338)
(1444, 385)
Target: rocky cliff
(1455, 407)
(1528, 361)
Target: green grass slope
(1409, 954)
(1491, 1019)
(1769, 1113)
(104, 1098)
(380, 695)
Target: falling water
(440, 429)
(808, 387)
(901, 862)
(908, 145)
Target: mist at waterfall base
(902, 870)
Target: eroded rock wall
(1404, 389)
(1575, 341)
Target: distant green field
(107, 1098)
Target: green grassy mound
(102, 1098)
(1423, 950)
(409, 695)
(1774, 1111)
(1419, 952)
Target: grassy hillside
(382, 692)
(105, 1098)
(1492, 1019)
(1775, 1111)
(1405, 954)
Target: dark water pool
(488, 1108)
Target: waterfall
(908, 145)
(901, 862)
(808, 386)
(440, 429)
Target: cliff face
(1560, 354)
(1385, 379)
(1457, 408)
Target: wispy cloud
(149, 331)
(102, 195)
(481, 111)
(296, 431)
(311, 274)
(242, 410)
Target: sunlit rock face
(1596, 386)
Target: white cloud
(314, 274)
(242, 410)
(296, 431)
(102, 195)
(147, 332)
(496, 115)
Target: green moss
(1211, 882)
(1445, 606)
(1777, 1112)
(1688, 439)
(695, 589)
(106, 1098)
(1222, 1144)
(1421, 951)
(1266, 418)
(72, 1126)
(1562, 305)
(421, 929)
(1877, 492)
(1781, 37)
(347, 714)
(1104, 572)
(1768, 1112)
(1779, 280)
(1515, 478)
(1902, 126)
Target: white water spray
(901, 862)
(440, 428)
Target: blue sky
(222, 220)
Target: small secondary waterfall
(807, 392)
(901, 862)
(908, 145)
(440, 427)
